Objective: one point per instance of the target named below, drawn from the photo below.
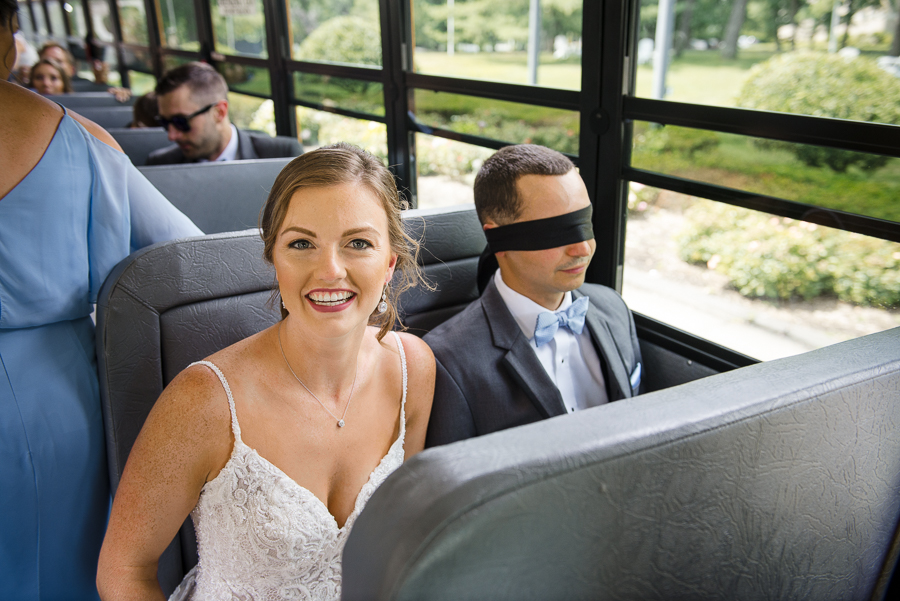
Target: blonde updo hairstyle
(341, 164)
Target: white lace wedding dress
(262, 536)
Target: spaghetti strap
(235, 427)
(405, 379)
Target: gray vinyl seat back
(161, 309)
(79, 100)
(451, 241)
(776, 481)
(107, 117)
(84, 85)
(219, 196)
(139, 142)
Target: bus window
(500, 41)
(133, 21)
(763, 285)
(318, 128)
(335, 32)
(179, 25)
(240, 30)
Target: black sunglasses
(181, 122)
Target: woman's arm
(420, 391)
(184, 443)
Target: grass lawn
(736, 162)
(701, 77)
(508, 67)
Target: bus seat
(159, 310)
(777, 480)
(138, 143)
(78, 100)
(451, 242)
(219, 196)
(107, 116)
(85, 85)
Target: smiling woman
(296, 425)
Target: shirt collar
(524, 310)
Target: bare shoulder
(192, 413)
(28, 124)
(419, 391)
(95, 130)
(419, 357)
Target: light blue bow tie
(548, 321)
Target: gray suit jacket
(250, 146)
(489, 378)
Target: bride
(274, 444)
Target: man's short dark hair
(145, 111)
(206, 84)
(496, 197)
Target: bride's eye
(301, 244)
(359, 244)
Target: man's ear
(489, 225)
(221, 110)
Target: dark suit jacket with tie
(489, 377)
(250, 146)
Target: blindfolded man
(539, 342)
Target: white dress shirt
(569, 359)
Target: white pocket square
(635, 377)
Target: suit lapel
(520, 359)
(608, 350)
(245, 150)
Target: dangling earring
(282, 305)
(382, 306)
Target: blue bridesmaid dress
(82, 209)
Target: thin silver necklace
(340, 420)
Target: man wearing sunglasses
(193, 108)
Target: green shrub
(676, 140)
(439, 156)
(775, 257)
(350, 40)
(318, 128)
(498, 125)
(824, 85)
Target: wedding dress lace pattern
(262, 536)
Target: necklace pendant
(340, 423)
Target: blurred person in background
(58, 52)
(49, 78)
(145, 111)
(26, 57)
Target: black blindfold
(537, 234)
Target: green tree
(348, 39)
(733, 29)
(481, 22)
(854, 6)
(895, 44)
